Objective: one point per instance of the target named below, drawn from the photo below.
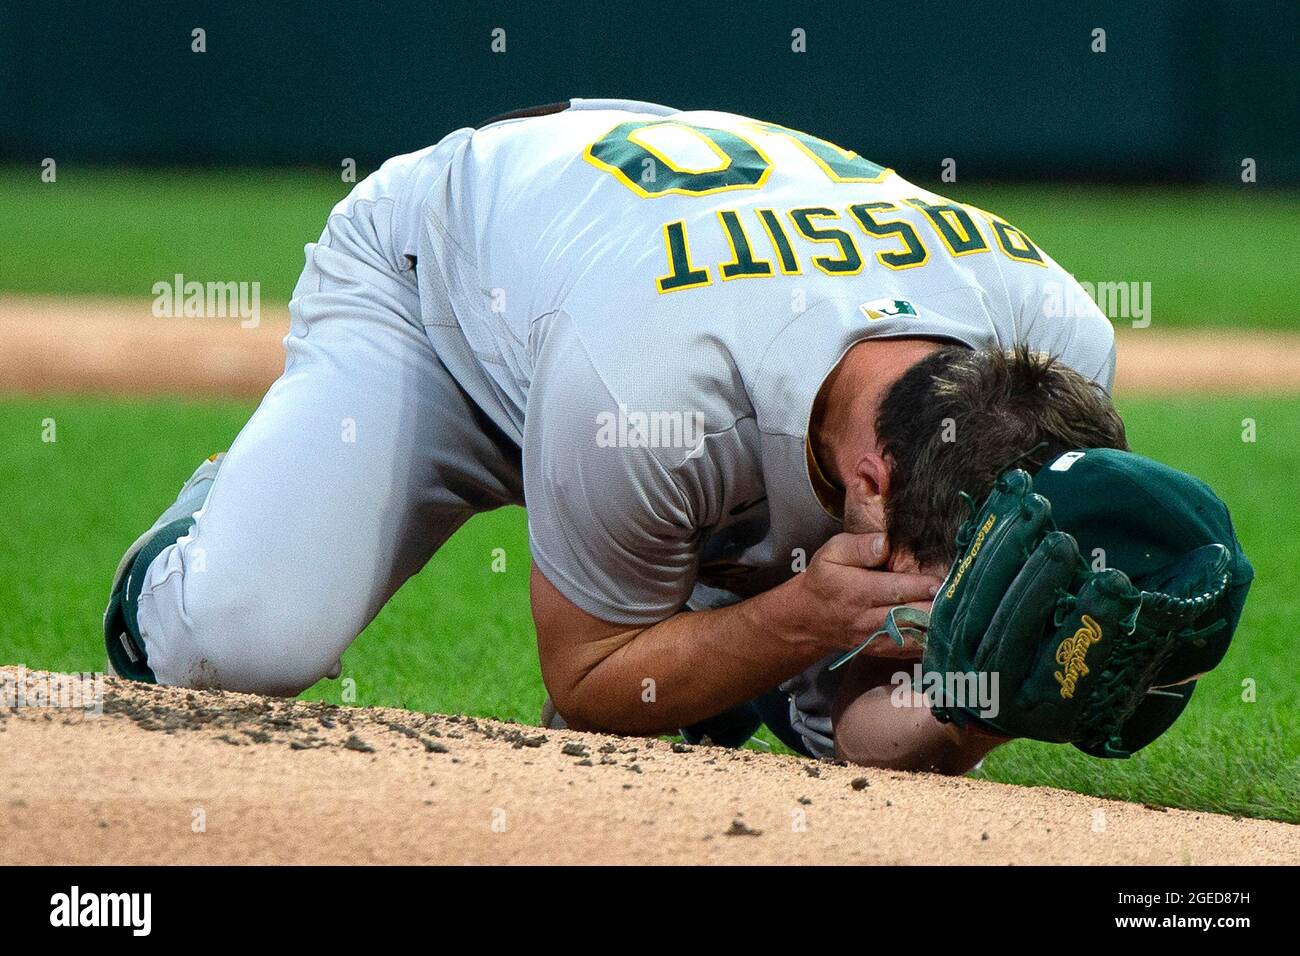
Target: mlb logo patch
(887, 308)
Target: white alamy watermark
(632, 428)
(969, 690)
(1117, 300)
(82, 691)
(191, 299)
(75, 908)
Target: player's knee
(253, 640)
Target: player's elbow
(573, 678)
(590, 704)
(575, 709)
(579, 656)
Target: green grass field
(458, 637)
(1219, 258)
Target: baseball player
(715, 358)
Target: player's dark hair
(959, 417)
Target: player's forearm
(695, 665)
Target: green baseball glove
(1103, 659)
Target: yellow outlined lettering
(650, 193)
(743, 265)
(851, 263)
(914, 252)
(681, 274)
(723, 159)
(803, 140)
(1007, 236)
(954, 226)
(788, 261)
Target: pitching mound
(165, 775)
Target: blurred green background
(1097, 90)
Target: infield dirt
(116, 346)
(165, 775)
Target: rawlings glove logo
(971, 555)
(1071, 654)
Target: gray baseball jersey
(647, 301)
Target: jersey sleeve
(608, 525)
(1057, 316)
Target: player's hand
(848, 592)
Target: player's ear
(864, 507)
(871, 475)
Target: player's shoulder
(585, 122)
(578, 118)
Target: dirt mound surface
(164, 775)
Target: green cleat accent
(126, 649)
